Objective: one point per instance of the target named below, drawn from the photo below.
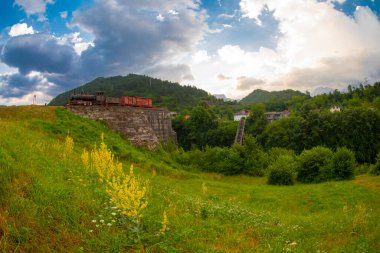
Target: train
(99, 98)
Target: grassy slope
(47, 203)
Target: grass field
(49, 203)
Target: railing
(239, 138)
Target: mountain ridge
(262, 96)
(164, 93)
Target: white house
(335, 109)
(241, 114)
(272, 116)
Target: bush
(254, 157)
(314, 165)
(375, 169)
(282, 171)
(275, 153)
(343, 164)
(362, 169)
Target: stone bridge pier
(143, 127)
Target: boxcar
(136, 101)
(144, 102)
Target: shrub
(282, 171)
(362, 169)
(275, 153)
(314, 165)
(375, 170)
(254, 158)
(343, 164)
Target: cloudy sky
(222, 46)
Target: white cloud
(40, 99)
(173, 12)
(5, 69)
(16, 89)
(222, 77)
(20, 29)
(63, 14)
(33, 6)
(76, 41)
(160, 18)
(227, 16)
(317, 45)
(200, 56)
(82, 46)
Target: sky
(229, 47)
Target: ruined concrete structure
(144, 127)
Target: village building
(241, 114)
(272, 116)
(173, 114)
(335, 109)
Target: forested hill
(164, 93)
(262, 96)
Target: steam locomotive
(99, 98)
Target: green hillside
(50, 201)
(163, 93)
(263, 96)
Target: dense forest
(354, 132)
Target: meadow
(49, 201)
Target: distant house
(272, 116)
(335, 109)
(173, 114)
(241, 114)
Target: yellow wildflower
(204, 188)
(165, 223)
(85, 159)
(69, 145)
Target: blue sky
(230, 47)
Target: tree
(375, 170)
(256, 122)
(282, 171)
(343, 164)
(313, 167)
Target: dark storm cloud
(17, 85)
(130, 38)
(39, 52)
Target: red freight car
(136, 101)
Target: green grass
(47, 203)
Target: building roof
(274, 113)
(242, 112)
